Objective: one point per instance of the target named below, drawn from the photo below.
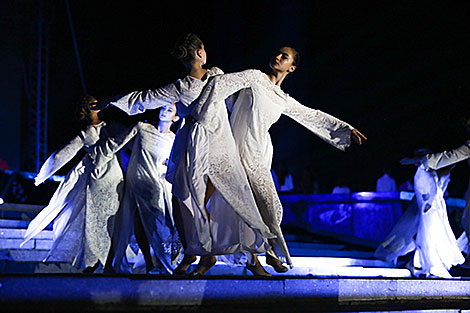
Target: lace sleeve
(105, 150)
(217, 90)
(439, 160)
(327, 127)
(138, 101)
(59, 159)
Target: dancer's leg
(143, 242)
(178, 218)
(206, 261)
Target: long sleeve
(439, 160)
(59, 159)
(217, 90)
(104, 151)
(329, 128)
(138, 101)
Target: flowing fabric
(204, 151)
(401, 239)
(146, 191)
(439, 160)
(84, 205)
(258, 106)
(436, 247)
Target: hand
(410, 161)
(357, 136)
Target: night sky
(398, 72)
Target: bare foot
(184, 264)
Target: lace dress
(258, 106)
(146, 190)
(84, 205)
(204, 150)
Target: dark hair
(83, 110)
(185, 47)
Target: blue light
(1, 201)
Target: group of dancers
(206, 191)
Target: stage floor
(136, 293)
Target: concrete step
(12, 233)
(13, 223)
(23, 255)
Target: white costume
(204, 149)
(436, 247)
(258, 106)
(439, 160)
(146, 190)
(84, 205)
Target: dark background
(397, 72)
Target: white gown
(439, 160)
(84, 205)
(436, 247)
(146, 190)
(258, 106)
(204, 150)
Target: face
(282, 60)
(168, 113)
(92, 105)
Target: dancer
(147, 194)
(260, 104)
(204, 159)
(436, 247)
(85, 203)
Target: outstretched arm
(439, 160)
(105, 150)
(220, 88)
(138, 101)
(59, 159)
(327, 127)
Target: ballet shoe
(184, 265)
(205, 264)
(276, 264)
(257, 269)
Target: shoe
(205, 264)
(184, 264)
(257, 269)
(276, 264)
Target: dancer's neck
(277, 77)
(196, 70)
(163, 127)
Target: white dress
(84, 205)
(204, 150)
(146, 190)
(436, 247)
(258, 106)
(439, 160)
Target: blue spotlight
(1, 201)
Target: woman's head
(285, 60)
(189, 49)
(168, 113)
(84, 114)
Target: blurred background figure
(386, 183)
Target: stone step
(12, 233)
(34, 244)
(13, 223)
(23, 255)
